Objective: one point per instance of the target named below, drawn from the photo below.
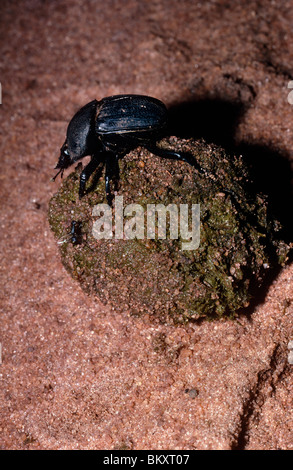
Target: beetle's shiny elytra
(108, 129)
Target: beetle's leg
(112, 169)
(174, 156)
(86, 173)
(107, 183)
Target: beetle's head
(64, 160)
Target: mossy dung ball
(239, 240)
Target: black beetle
(76, 232)
(75, 235)
(108, 129)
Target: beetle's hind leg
(85, 175)
(184, 157)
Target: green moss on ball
(239, 241)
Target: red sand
(75, 374)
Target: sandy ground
(75, 374)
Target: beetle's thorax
(81, 132)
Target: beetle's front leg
(86, 173)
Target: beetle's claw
(60, 171)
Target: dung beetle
(74, 235)
(108, 129)
(76, 232)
